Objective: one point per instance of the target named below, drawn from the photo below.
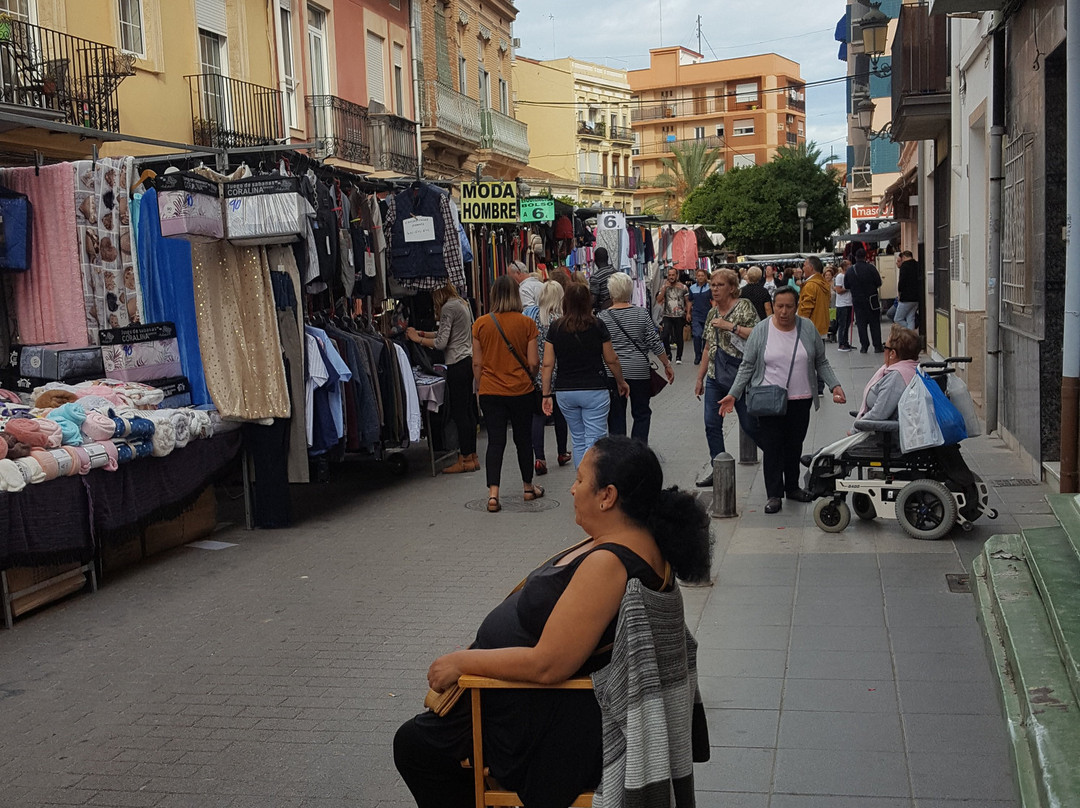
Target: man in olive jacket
(814, 295)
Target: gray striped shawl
(646, 698)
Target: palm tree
(691, 166)
(807, 150)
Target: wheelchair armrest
(867, 425)
(487, 683)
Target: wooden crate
(55, 581)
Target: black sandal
(493, 505)
(535, 493)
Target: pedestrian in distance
(529, 283)
(768, 360)
(772, 278)
(863, 281)
(731, 321)
(581, 345)
(673, 299)
(454, 339)
(700, 296)
(598, 279)
(843, 309)
(505, 359)
(548, 311)
(908, 289)
(633, 336)
(814, 299)
(756, 293)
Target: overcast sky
(619, 34)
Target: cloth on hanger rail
(48, 299)
(412, 398)
(169, 289)
(424, 265)
(286, 284)
(108, 258)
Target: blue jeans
(586, 413)
(714, 421)
(905, 314)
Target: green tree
(692, 164)
(754, 206)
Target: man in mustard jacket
(814, 295)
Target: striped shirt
(637, 327)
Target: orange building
(746, 107)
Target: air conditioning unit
(516, 42)
(959, 260)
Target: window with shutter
(442, 48)
(399, 80)
(210, 16)
(375, 58)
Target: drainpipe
(416, 45)
(1070, 360)
(993, 268)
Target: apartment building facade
(466, 103)
(747, 108)
(578, 115)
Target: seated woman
(547, 745)
(882, 394)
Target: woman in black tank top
(548, 746)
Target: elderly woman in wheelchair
(560, 622)
(927, 491)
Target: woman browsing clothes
(505, 358)
(581, 345)
(454, 339)
(548, 745)
(785, 351)
(730, 321)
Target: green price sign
(537, 210)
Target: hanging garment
(410, 261)
(165, 277)
(238, 331)
(412, 398)
(369, 216)
(286, 282)
(684, 250)
(110, 278)
(47, 300)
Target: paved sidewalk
(838, 670)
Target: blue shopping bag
(948, 417)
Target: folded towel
(98, 427)
(124, 453)
(71, 418)
(28, 431)
(82, 459)
(99, 458)
(110, 450)
(31, 470)
(3, 447)
(140, 447)
(15, 447)
(201, 425)
(47, 462)
(164, 439)
(54, 433)
(181, 421)
(64, 462)
(11, 479)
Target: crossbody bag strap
(798, 337)
(632, 342)
(513, 352)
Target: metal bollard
(747, 448)
(723, 475)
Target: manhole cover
(1014, 482)
(516, 504)
(959, 583)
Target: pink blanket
(49, 297)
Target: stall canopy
(886, 233)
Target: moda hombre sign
(489, 202)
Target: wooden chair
(490, 794)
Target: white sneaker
(678, 361)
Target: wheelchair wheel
(926, 509)
(832, 517)
(863, 507)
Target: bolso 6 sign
(489, 202)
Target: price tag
(537, 210)
(419, 228)
(369, 264)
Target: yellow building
(579, 119)
(746, 107)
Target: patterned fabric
(647, 696)
(743, 314)
(455, 266)
(107, 257)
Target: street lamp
(801, 208)
(874, 27)
(809, 232)
(864, 110)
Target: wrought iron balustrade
(393, 142)
(628, 183)
(592, 180)
(341, 129)
(666, 146)
(621, 133)
(504, 135)
(228, 113)
(595, 129)
(445, 109)
(52, 75)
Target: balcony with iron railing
(54, 76)
(684, 107)
(449, 116)
(796, 99)
(504, 135)
(667, 146)
(592, 180)
(596, 129)
(340, 128)
(624, 183)
(229, 114)
(622, 133)
(921, 102)
(393, 141)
